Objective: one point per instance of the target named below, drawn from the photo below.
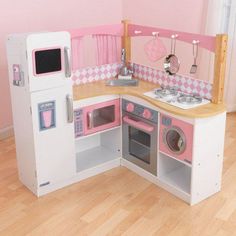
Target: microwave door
(101, 116)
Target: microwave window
(47, 61)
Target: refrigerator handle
(67, 62)
(70, 110)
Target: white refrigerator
(42, 107)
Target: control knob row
(146, 112)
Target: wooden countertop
(99, 88)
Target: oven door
(140, 142)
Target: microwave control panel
(78, 122)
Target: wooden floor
(114, 203)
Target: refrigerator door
(53, 135)
(48, 59)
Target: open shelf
(94, 157)
(184, 162)
(99, 132)
(174, 173)
(98, 149)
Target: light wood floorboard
(117, 202)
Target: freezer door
(53, 135)
(49, 60)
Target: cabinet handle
(67, 62)
(69, 105)
(90, 120)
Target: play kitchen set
(67, 129)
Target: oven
(139, 131)
(97, 117)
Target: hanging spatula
(193, 69)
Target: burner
(165, 92)
(176, 98)
(189, 99)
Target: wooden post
(126, 41)
(219, 68)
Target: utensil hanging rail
(207, 42)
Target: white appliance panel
(54, 145)
(46, 41)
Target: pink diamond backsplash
(110, 71)
(183, 83)
(92, 74)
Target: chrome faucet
(124, 69)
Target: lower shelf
(179, 178)
(94, 157)
(174, 173)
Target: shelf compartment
(99, 132)
(176, 159)
(98, 149)
(174, 173)
(94, 157)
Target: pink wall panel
(41, 15)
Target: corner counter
(99, 88)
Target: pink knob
(130, 107)
(146, 114)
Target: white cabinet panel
(54, 136)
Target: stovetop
(172, 96)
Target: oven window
(104, 115)
(47, 61)
(139, 144)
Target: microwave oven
(97, 117)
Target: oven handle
(138, 124)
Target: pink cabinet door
(101, 116)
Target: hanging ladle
(171, 63)
(193, 69)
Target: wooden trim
(219, 68)
(126, 40)
(206, 41)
